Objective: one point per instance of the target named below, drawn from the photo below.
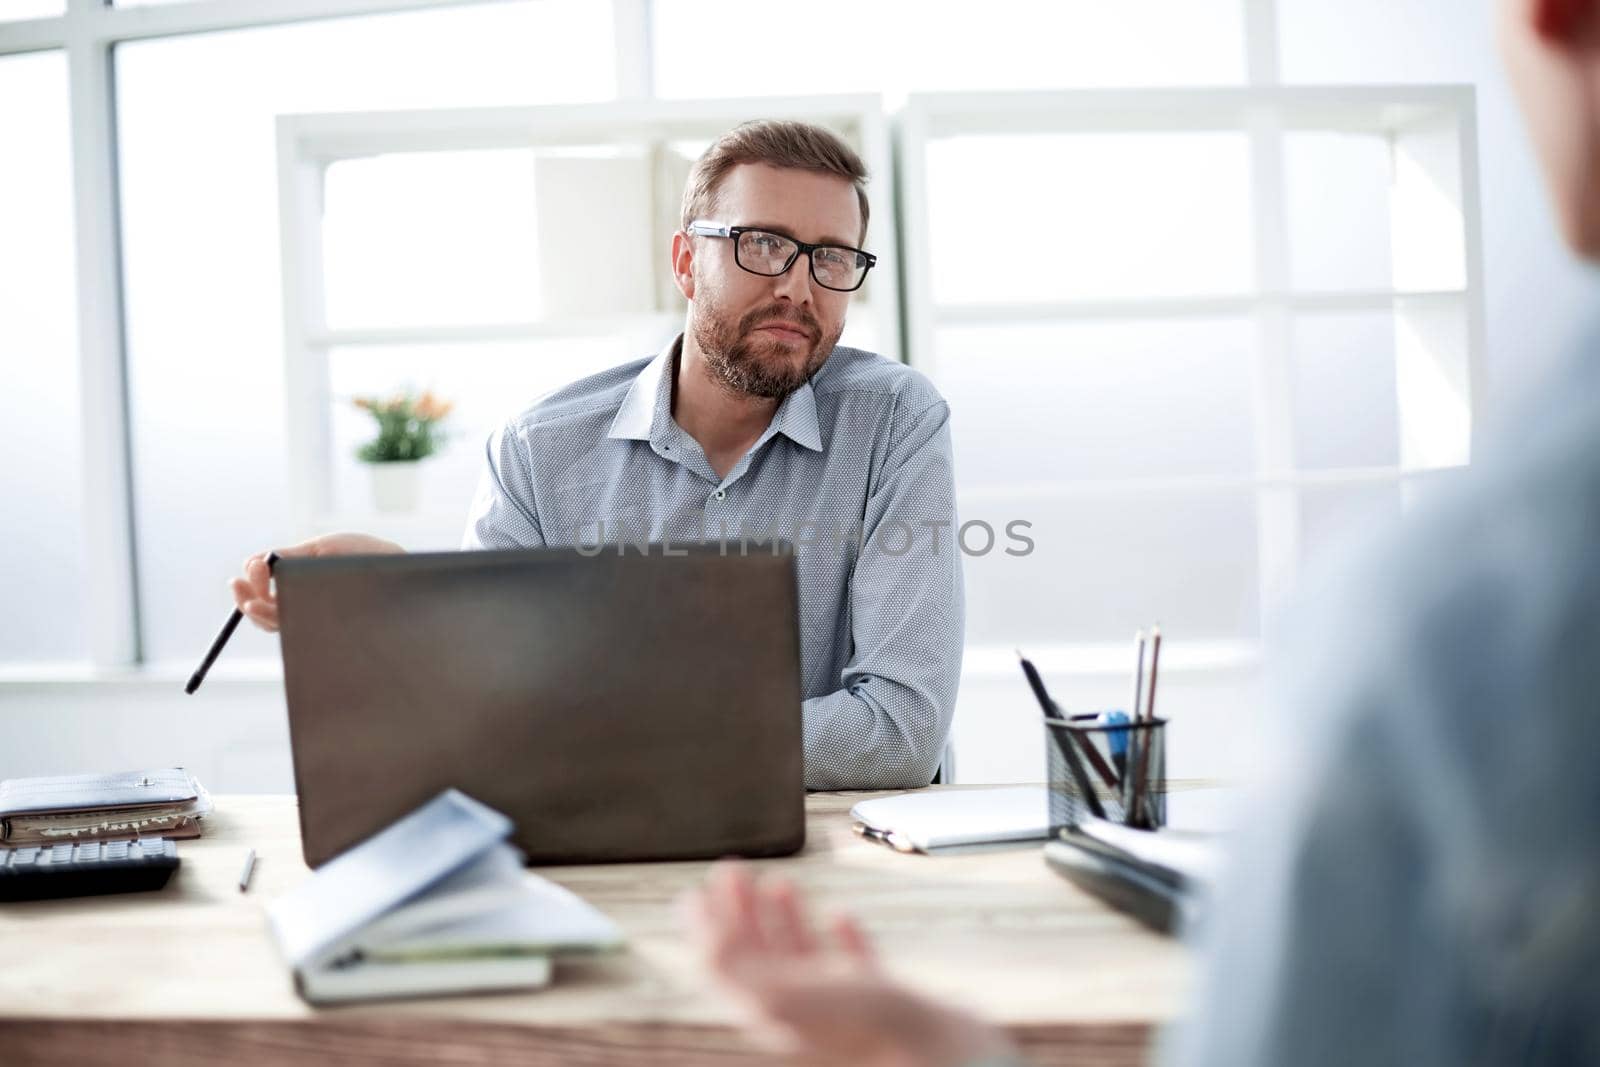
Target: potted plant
(408, 432)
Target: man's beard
(744, 361)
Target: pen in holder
(1114, 770)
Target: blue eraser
(1118, 739)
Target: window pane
(930, 45)
(1331, 517)
(1338, 206)
(1101, 217)
(1049, 403)
(1104, 565)
(16, 10)
(41, 524)
(430, 238)
(201, 251)
(451, 238)
(1345, 399)
(487, 383)
(1041, 412)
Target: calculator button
(60, 854)
(88, 852)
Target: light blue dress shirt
(1419, 881)
(854, 469)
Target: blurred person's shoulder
(1466, 632)
(1510, 547)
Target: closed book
(436, 903)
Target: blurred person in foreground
(1421, 881)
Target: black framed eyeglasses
(837, 267)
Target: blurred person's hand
(823, 995)
(253, 594)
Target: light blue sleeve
(503, 513)
(885, 727)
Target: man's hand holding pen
(253, 595)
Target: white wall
(232, 733)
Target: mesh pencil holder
(1124, 766)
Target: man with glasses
(754, 425)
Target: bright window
(201, 245)
(41, 524)
(30, 9)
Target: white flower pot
(396, 486)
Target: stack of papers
(437, 903)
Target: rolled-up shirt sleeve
(886, 726)
(503, 513)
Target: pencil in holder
(1113, 770)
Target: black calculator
(42, 872)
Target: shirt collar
(646, 411)
(648, 406)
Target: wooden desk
(190, 975)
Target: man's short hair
(777, 143)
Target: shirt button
(719, 494)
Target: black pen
(222, 639)
(1051, 708)
(1069, 750)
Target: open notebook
(436, 903)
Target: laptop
(640, 706)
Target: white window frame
(1265, 114)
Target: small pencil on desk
(249, 869)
